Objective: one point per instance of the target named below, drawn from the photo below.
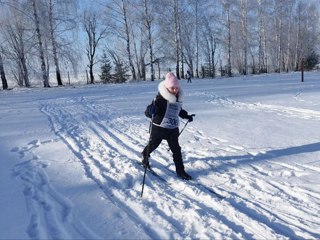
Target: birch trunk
(197, 39)
(133, 71)
(41, 51)
(176, 37)
(244, 23)
(229, 67)
(2, 74)
(262, 59)
(279, 37)
(298, 41)
(53, 42)
(148, 24)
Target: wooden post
(302, 70)
(69, 78)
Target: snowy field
(69, 162)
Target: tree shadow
(272, 154)
(250, 209)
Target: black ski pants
(172, 136)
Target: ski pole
(148, 150)
(144, 179)
(183, 128)
(186, 124)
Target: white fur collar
(167, 95)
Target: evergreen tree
(120, 69)
(120, 74)
(311, 61)
(106, 67)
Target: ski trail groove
(79, 145)
(285, 232)
(114, 141)
(50, 212)
(281, 110)
(194, 191)
(105, 142)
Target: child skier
(165, 111)
(189, 76)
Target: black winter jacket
(161, 101)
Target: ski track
(281, 110)
(116, 139)
(279, 226)
(51, 214)
(108, 143)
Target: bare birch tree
(227, 8)
(16, 40)
(263, 57)
(40, 47)
(148, 23)
(15, 35)
(53, 41)
(188, 36)
(127, 31)
(95, 32)
(176, 36)
(197, 36)
(244, 30)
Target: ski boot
(183, 175)
(145, 162)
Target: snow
(69, 162)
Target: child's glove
(190, 117)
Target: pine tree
(106, 67)
(120, 75)
(311, 61)
(120, 69)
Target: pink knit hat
(171, 81)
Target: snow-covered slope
(70, 162)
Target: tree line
(116, 40)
